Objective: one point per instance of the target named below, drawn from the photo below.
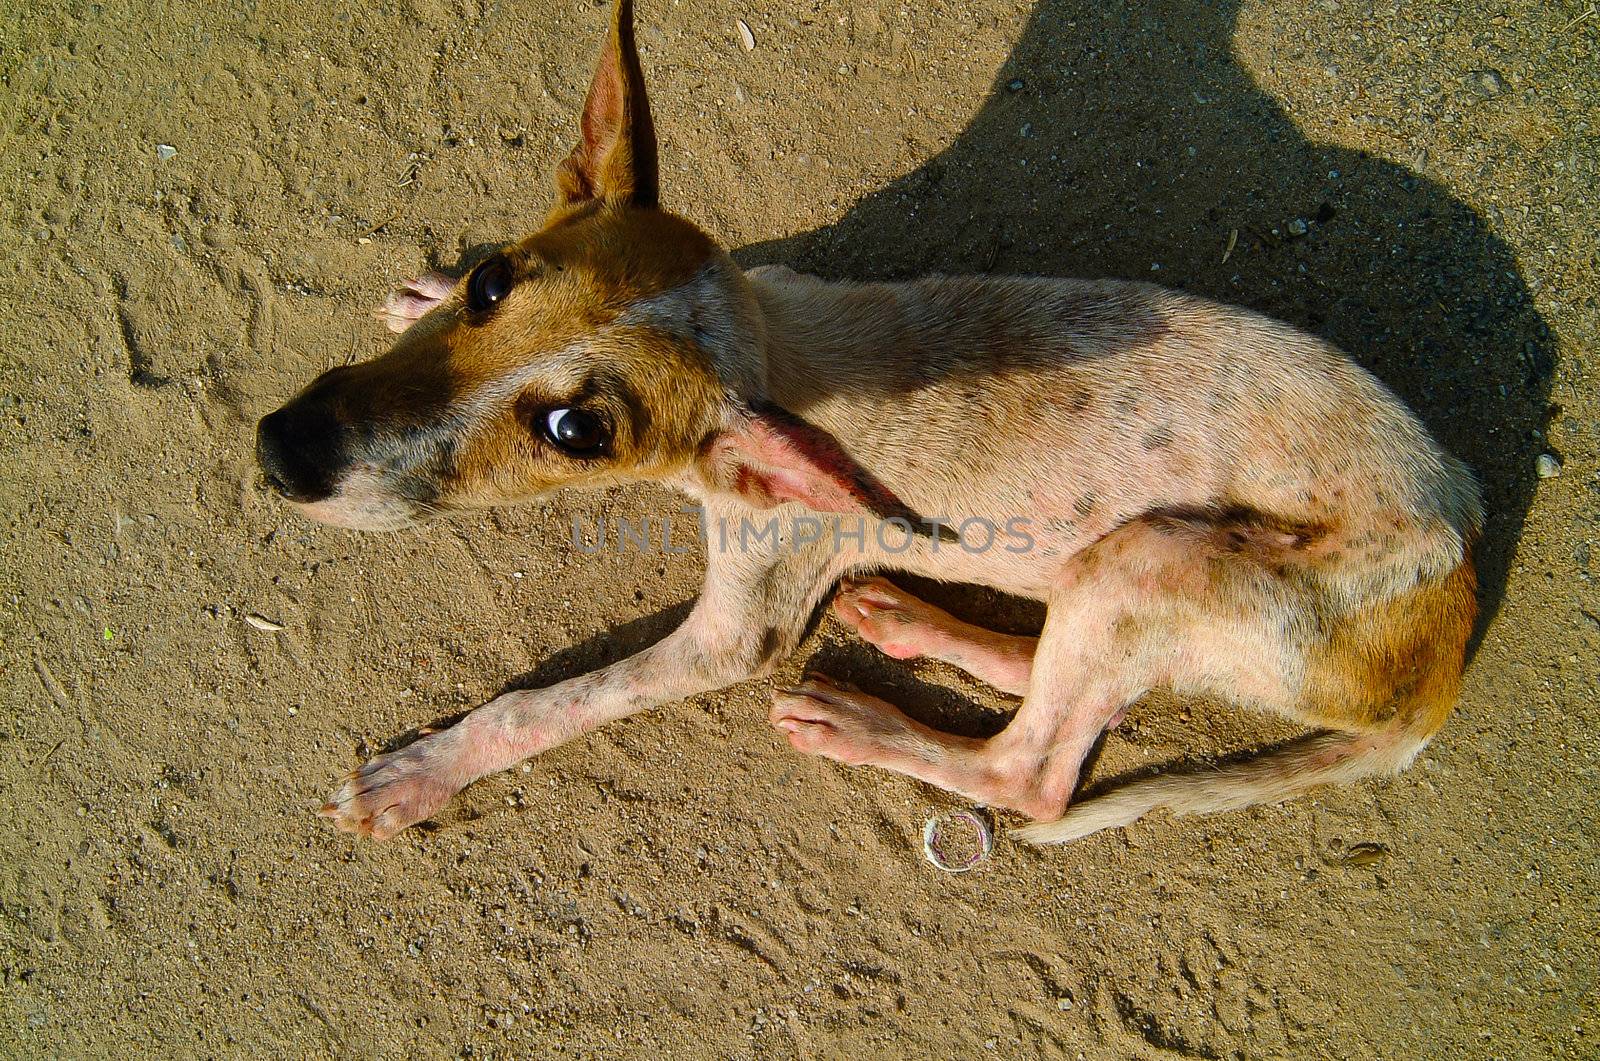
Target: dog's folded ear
(615, 158)
(768, 456)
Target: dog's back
(1131, 398)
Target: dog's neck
(832, 350)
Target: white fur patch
(361, 501)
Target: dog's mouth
(359, 502)
(271, 481)
(363, 515)
(347, 475)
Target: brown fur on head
(626, 314)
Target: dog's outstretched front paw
(414, 299)
(396, 789)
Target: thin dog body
(1206, 500)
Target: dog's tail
(1318, 759)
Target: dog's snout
(299, 449)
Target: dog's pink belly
(1012, 564)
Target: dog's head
(618, 342)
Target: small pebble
(1488, 83)
(1548, 466)
(1365, 854)
(1016, 86)
(165, 151)
(747, 40)
(1298, 227)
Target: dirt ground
(1415, 181)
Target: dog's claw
(833, 719)
(397, 789)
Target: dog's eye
(574, 430)
(490, 284)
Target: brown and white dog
(1206, 500)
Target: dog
(1206, 500)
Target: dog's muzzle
(301, 452)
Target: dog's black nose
(299, 449)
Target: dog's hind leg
(1117, 622)
(1225, 608)
(1031, 766)
(905, 627)
(1379, 675)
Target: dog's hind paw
(834, 719)
(396, 789)
(414, 299)
(884, 615)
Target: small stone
(1299, 227)
(747, 39)
(165, 151)
(1548, 466)
(1016, 85)
(1487, 83)
(1365, 854)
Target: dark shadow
(1146, 143)
(590, 654)
(893, 681)
(602, 649)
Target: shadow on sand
(1148, 144)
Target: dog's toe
(885, 616)
(837, 721)
(394, 790)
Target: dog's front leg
(751, 613)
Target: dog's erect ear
(615, 158)
(768, 457)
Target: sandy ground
(1415, 181)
